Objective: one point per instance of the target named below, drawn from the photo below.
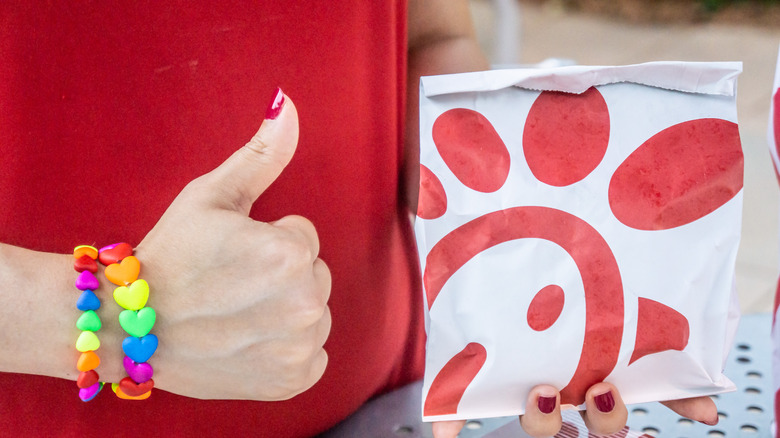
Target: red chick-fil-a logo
(677, 175)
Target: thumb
(246, 174)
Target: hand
(605, 413)
(242, 304)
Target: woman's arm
(441, 41)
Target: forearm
(441, 41)
(38, 316)
(454, 54)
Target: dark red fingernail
(605, 402)
(546, 404)
(276, 105)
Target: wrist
(131, 293)
(38, 319)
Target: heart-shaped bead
(133, 389)
(113, 253)
(89, 360)
(120, 394)
(88, 394)
(124, 272)
(88, 301)
(87, 379)
(139, 372)
(87, 341)
(85, 263)
(89, 321)
(139, 349)
(86, 280)
(132, 297)
(138, 323)
(85, 250)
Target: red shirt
(107, 111)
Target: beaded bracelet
(132, 293)
(88, 381)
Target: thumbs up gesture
(242, 304)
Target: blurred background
(616, 32)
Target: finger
(701, 409)
(542, 412)
(323, 279)
(319, 366)
(245, 175)
(299, 225)
(605, 412)
(322, 328)
(317, 369)
(447, 429)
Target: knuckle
(299, 358)
(256, 145)
(298, 223)
(306, 227)
(310, 310)
(321, 270)
(291, 253)
(299, 228)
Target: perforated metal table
(745, 413)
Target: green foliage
(715, 5)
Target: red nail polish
(605, 402)
(546, 404)
(276, 105)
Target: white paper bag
(582, 233)
(773, 139)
